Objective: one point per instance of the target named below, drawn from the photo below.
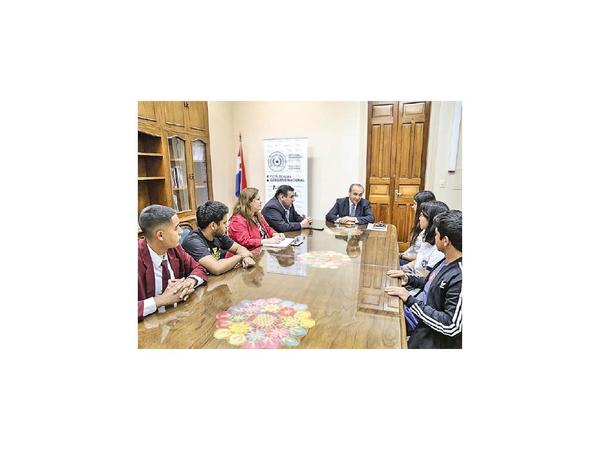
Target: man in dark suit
(279, 212)
(351, 209)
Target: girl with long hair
(417, 234)
(428, 255)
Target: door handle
(397, 193)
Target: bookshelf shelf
(159, 155)
(150, 178)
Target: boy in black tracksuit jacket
(439, 310)
(440, 317)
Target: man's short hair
(449, 224)
(211, 211)
(154, 216)
(356, 184)
(283, 189)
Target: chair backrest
(185, 230)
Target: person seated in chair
(438, 304)
(247, 225)
(279, 212)
(166, 273)
(209, 243)
(352, 209)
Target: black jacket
(441, 314)
(342, 208)
(274, 214)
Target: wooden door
(398, 134)
(197, 116)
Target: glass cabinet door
(200, 178)
(179, 174)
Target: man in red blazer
(166, 273)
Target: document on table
(376, 227)
(282, 244)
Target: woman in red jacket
(247, 226)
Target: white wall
(223, 150)
(337, 147)
(447, 186)
(337, 138)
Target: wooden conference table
(342, 288)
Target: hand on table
(184, 287)
(248, 262)
(398, 274)
(276, 239)
(245, 253)
(397, 291)
(170, 294)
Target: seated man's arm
(448, 321)
(276, 220)
(238, 249)
(294, 216)
(247, 256)
(416, 281)
(219, 266)
(367, 216)
(333, 213)
(170, 296)
(146, 307)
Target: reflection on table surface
(339, 273)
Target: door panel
(415, 166)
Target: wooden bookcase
(174, 156)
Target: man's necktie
(165, 274)
(353, 210)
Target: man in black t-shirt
(209, 243)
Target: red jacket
(181, 263)
(247, 233)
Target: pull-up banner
(286, 163)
